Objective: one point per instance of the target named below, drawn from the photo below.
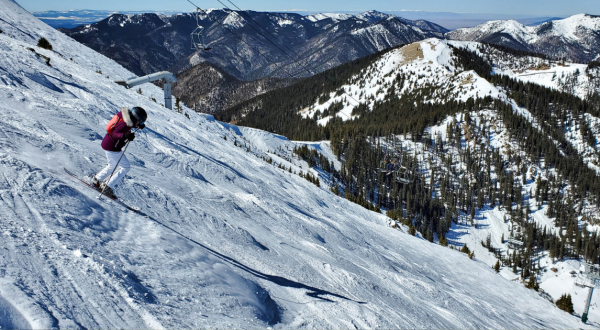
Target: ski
(116, 200)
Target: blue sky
(536, 8)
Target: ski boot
(95, 182)
(107, 191)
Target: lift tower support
(168, 76)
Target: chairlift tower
(589, 278)
(167, 76)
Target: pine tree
(44, 43)
(412, 230)
(465, 249)
(497, 266)
(429, 235)
(532, 284)
(178, 105)
(565, 303)
(443, 240)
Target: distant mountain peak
(576, 37)
(333, 16)
(372, 16)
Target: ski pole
(114, 169)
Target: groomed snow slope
(229, 242)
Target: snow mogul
(118, 134)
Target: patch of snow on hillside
(569, 78)
(334, 16)
(425, 63)
(234, 20)
(513, 28)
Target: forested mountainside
(246, 44)
(208, 89)
(483, 149)
(576, 38)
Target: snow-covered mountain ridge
(575, 38)
(230, 240)
(431, 64)
(147, 43)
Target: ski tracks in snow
(39, 258)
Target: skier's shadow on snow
(282, 281)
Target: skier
(117, 136)
(392, 165)
(384, 163)
(386, 158)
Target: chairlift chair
(401, 173)
(404, 175)
(197, 35)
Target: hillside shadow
(457, 231)
(281, 281)
(11, 318)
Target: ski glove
(129, 136)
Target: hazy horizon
(449, 20)
(531, 8)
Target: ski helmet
(139, 114)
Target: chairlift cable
(296, 61)
(241, 39)
(346, 35)
(269, 40)
(282, 67)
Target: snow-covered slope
(333, 16)
(229, 241)
(574, 37)
(423, 64)
(518, 31)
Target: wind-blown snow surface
(229, 242)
